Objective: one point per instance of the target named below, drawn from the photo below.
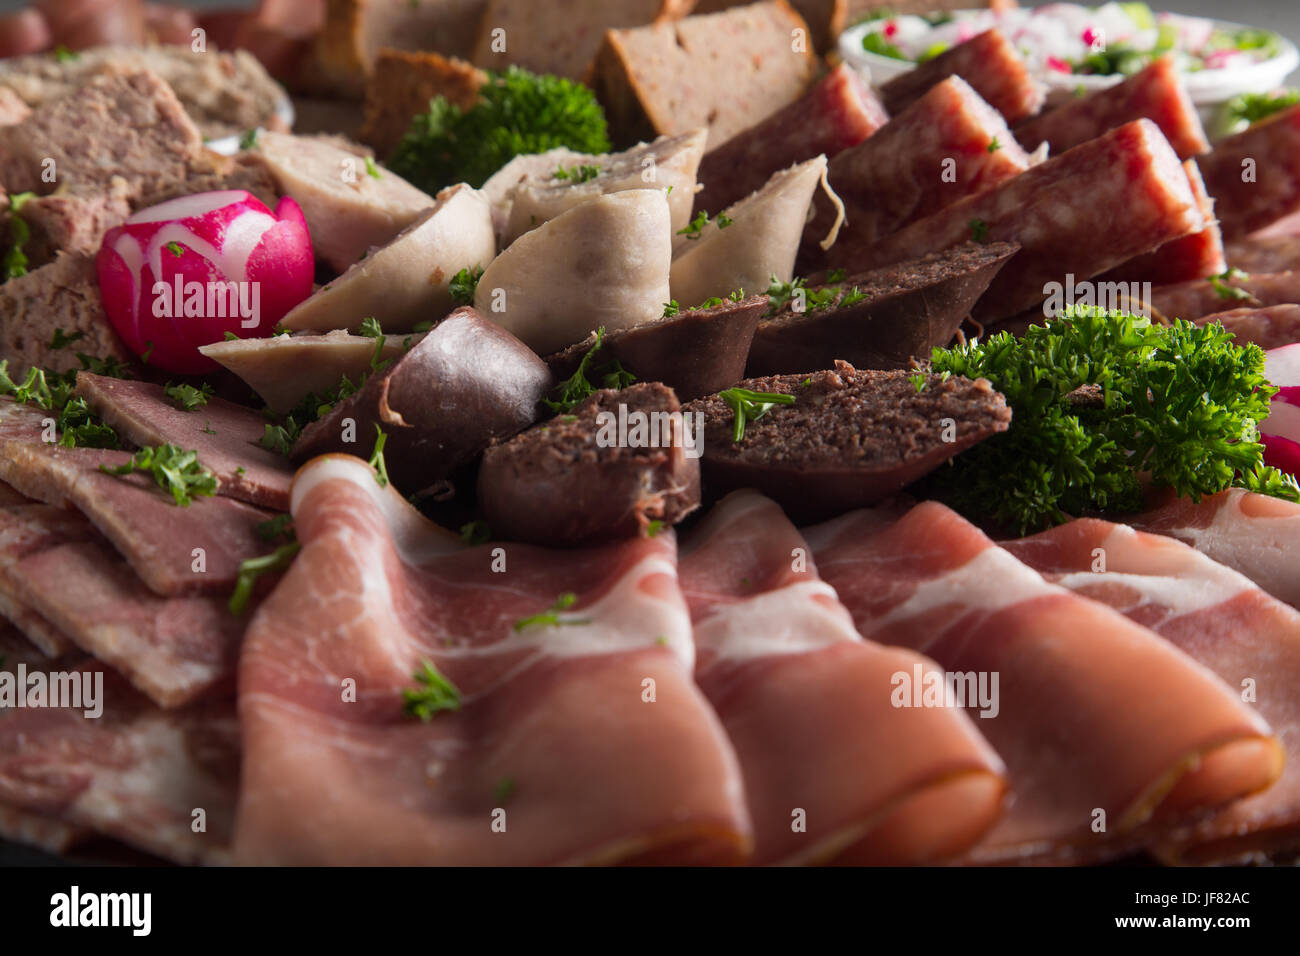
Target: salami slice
(1255, 175)
(1157, 93)
(1191, 257)
(1271, 327)
(838, 112)
(946, 145)
(989, 62)
(1065, 213)
(1264, 254)
(1195, 300)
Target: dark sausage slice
(1254, 176)
(566, 483)
(852, 438)
(467, 383)
(696, 352)
(907, 310)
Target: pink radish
(183, 273)
(1280, 432)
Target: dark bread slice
(909, 309)
(852, 438)
(696, 352)
(557, 485)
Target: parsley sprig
(253, 568)
(434, 694)
(1171, 402)
(76, 424)
(573, 390)
(551, 616)
(750, 406)
(175, 470)
(464, 284)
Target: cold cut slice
(932, 582)
(406, 281)
(622, 463)
(1217, 617)
(946, 145)
(1194, 256)
(377, 591)
(1254, 176)
(603, 262)
(749, 243)
(1202, 297)
(880, 319)
(1270, 327)
(1250, 533)
(988, 62)
(849, 438)
(1058, 212)
(840, 111)
(1156, 93)
(806, 704)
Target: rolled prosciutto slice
(1253, 534)
(1100, 722)
(1254, 176)
(560, 722)
(946, 145)
(1219, 618)
(833, 771)
(1063, 214)
(1271, 327)
(1193, 256)
(839, 111)
(989, 62)
(1202, 297)
(1156, 93)
(132, 772)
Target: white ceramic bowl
(1209, 89)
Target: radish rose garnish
(1280, 432)
(183, 273)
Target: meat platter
(454, 434)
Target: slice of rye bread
(904, 312)
(695, 352)
(677, 75)
(851, 438)
(401, 87)
(575, 480)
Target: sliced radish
(182, 274)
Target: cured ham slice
(583, 740)
(1156, 93)
(1271, 327)
(1255, 175)
(989, 62)
(1217, 617)
(1057, 211)
(947, 145)
(838, 112)
(135, 773)
(806, 703)
(1194, 256)
(1094, 713)
(1195, 300)
(1250, 533)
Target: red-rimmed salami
(1255, 175)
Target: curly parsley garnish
(464, 284)
(187, 397)
(174, 470)
(1171, 402)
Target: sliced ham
(173, 649)
(1057, 211)
(135, 773)
(1270, 327)
(1250, 533)
(226, 436)
(989, 62)
(806, 704)
(1193, 256)
(838, 112)
(1254, 176)
(1202, 297)
(1156, 93)
(552, 740)
(946, 145)
(1093, 711)
(1219, 618)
